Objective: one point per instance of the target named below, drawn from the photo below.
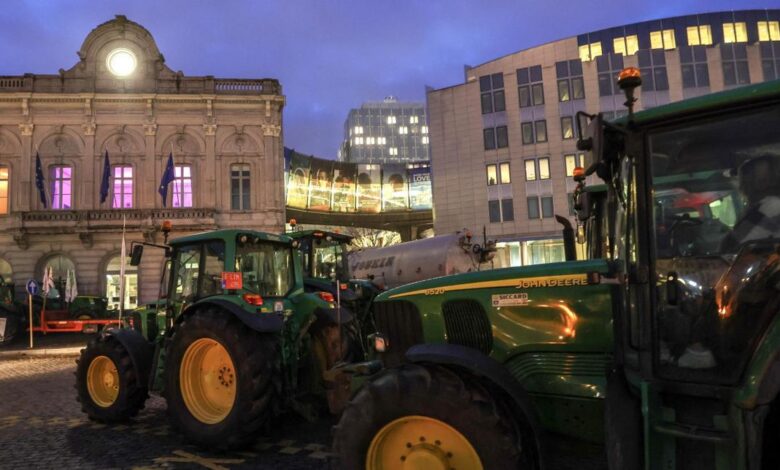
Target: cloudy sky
(330, 55)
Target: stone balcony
(86, 223)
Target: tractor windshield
(328, 260)
(266, 267)
(716, 222)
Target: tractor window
(187, 266)
(716, 221)
(266, 267)
(214, 264)
(329, 260)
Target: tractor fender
(333, 315)
(487, 370)
(261, 322)
(141, 351)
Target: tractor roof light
(629, 79)
(578, 174)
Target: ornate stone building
(225, 136)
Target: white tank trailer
(395, 265)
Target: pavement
(51, 344)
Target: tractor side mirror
(135, 255)
(582, 205)
(591, 141)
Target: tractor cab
(695, 256)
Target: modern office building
(503, 142)
(121, 97)
(387, 131)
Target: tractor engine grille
(399, 321)
(467, 324)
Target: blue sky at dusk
(330, 56)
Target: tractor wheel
(422, 417)
(107, 382)
(218, 379)
(83, 314)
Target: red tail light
(253, 299)
(343, 286)
(326, 296)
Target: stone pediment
(61, 142)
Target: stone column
(210, 173)
(90, 197)
(26, 191)
(148, 177)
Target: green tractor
(233, 341)
(664, 345)
(326, 271)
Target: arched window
(6, 271)
(60, 265)
(113, 282)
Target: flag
(71, 290)
(106, 177)
(40, 182)
(167, 177)
(48, 280)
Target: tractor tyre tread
(438, 392)
(132, 395)
(253, 355)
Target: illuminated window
(662, 39)
(358, 130)
(391, 119)
(492, 175)
(567, 127)
(413, 119)
(403, 130)
(699, 35)
(734, 32)
(626, 45)
(425, 139)
(239, 187)
(544, 168)
(590, 51)
(393, 151)
(491, 88)
(506, 178)
(123, 187)
(424, 129)
(769, 31)
(358, 141)
(530, 170)
(3, 189)
(61, 187)
(370, 140)
(572, 161)
(381, 140)
(182, 186)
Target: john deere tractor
(233, 340)
(664, 345)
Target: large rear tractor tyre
(428, 417)
(218, 379)
(107, 382)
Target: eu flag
(106, 177)
(167, 177)
(40, 182)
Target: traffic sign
(32, 287)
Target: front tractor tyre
(429, 417)
(218, 379)
(107, 382)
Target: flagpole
(122, 255)
(174, 176)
